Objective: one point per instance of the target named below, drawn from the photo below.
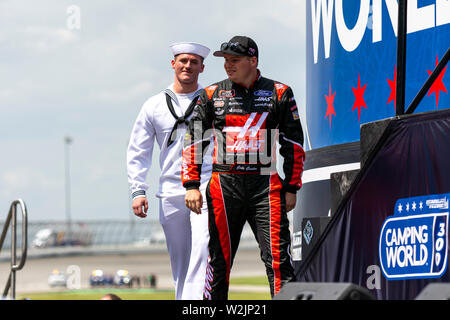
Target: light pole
(67, 142)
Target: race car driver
(246, 114)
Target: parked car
(122, 278)
(158, 237)
(57, 279)
(48, 237)
(97, 278)
(45, 238)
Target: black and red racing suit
(245, 185)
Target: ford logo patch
(263, 93)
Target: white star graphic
(414, 205)
(400, 208)
(420, 205)
(407, 207)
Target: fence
(98, 233)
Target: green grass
(96, 294)
(147, 294)
(250, 281)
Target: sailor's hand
(194, 200)
(140, 207)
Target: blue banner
(390, 233)
(413, 242)
(351, 63)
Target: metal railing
(402, 28)
(433, 76)
(12, 219)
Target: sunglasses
(234, 46)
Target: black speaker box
(435, 291)
(323, 291)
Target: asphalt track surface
(34, 275)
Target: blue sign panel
(413, 243)
(351, 63)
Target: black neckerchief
(179, 120)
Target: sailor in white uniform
(186, 232)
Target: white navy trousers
(187, 238)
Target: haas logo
(247, 137)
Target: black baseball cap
(238, 46)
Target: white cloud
(21, 177)
(42, 40)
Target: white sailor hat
(190, 47)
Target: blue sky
(90, 82)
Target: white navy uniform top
(156, 121)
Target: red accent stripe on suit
(221, 220)
(299, 156)
(189, 170)
(275, 226)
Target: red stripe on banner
(275, 221)
(299, 157)
(221, 220)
